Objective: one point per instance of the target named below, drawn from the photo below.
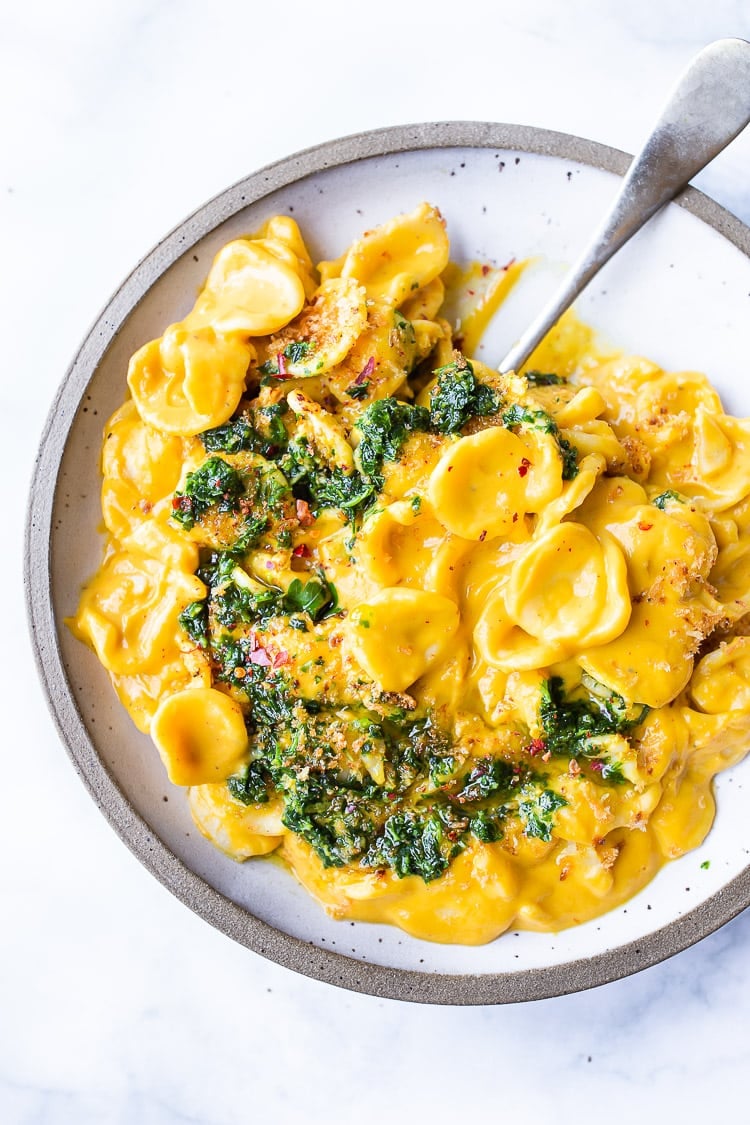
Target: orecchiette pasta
(465, 650)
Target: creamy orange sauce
(485, 569)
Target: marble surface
(119, 1005)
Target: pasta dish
(465, 651)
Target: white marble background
(118, 1005)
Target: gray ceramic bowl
(678, 293)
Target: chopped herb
(572, 725)
(253, 431)
(459, 396)
(544, 379)
(664, 498)
(540, 420)
(411, 845)
(233, 604)
(489, 776)
(194, 620)
(311, 597)
(331, 816)
(251, 785)
(384, 427)
(215, 484)
(486, 825)
(238, 505)
(537, 811)
(324, 487)
(358, 390)
(297, 350)
(612, 771)
(441, 769)
(361, 384)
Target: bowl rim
(192, 890)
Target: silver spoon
(708, 107)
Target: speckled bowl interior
(679, 293)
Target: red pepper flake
(392, 796)
(524, 467)
(485, 270)
(302, 551)
(537, 746)
(515, 517)
(280, 658)
(281, 361)
(304, 515)
(482, 535)
(508, 264)
(260, 656)
(470, 292)
(366, 371)
(597, 765)
(645, 526)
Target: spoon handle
(706, 110)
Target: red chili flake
(482, 535)
(182, 503)
(470, 292)
(597, 765)
(391, 796)
(260, 656)
(524, 467)
(485, 270)
(146, 506)
(515, 517)
(280, 658)
(366, 371)
(508, 264)
(304, 515)
(537, 746)
(645, 526)
(302, 551)
(281, 361)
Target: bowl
(678, 294)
